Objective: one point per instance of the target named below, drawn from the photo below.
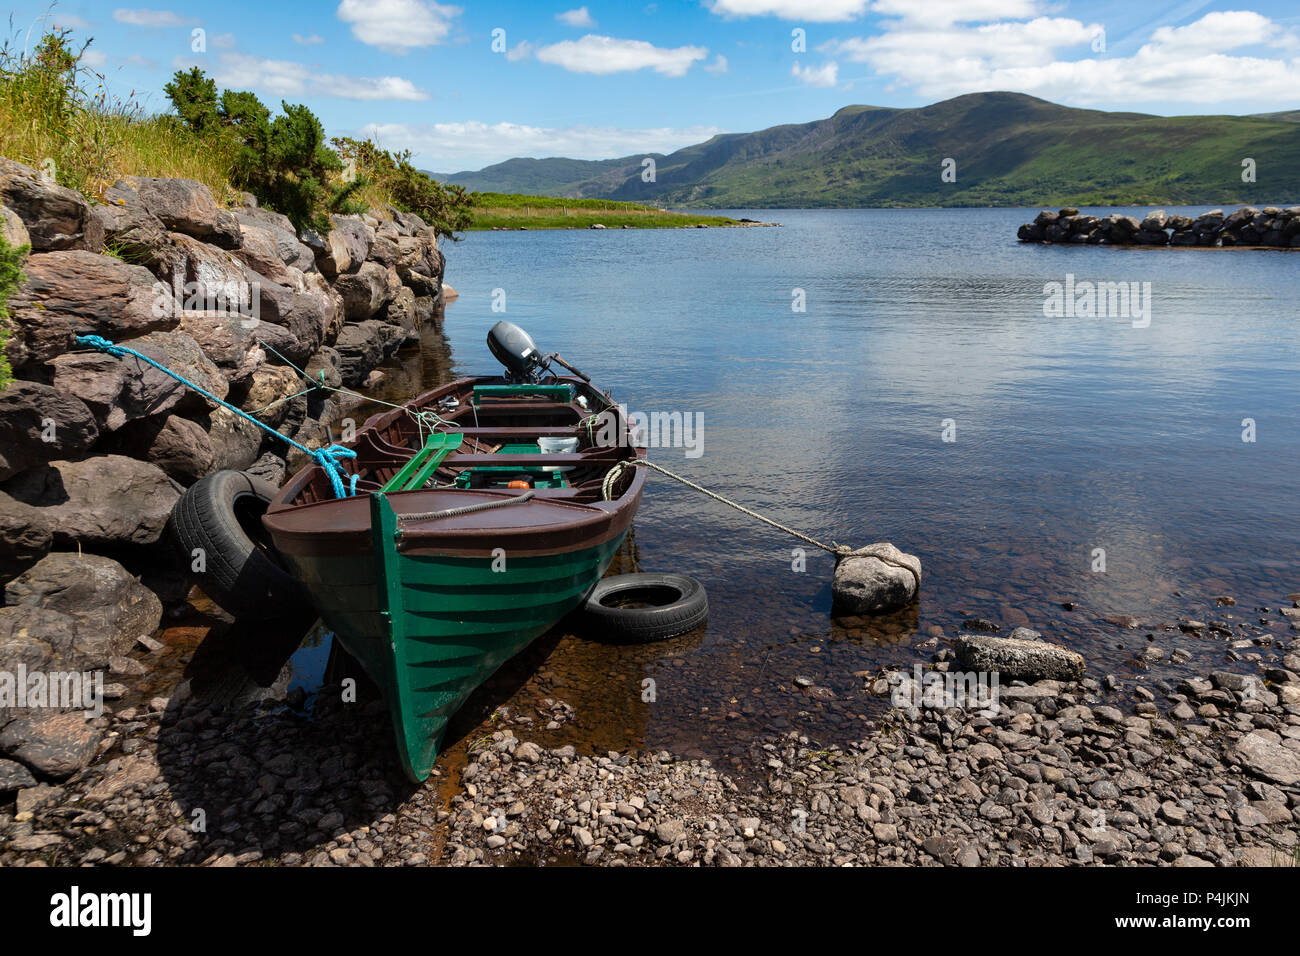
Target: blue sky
(467, 84)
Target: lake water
(1072, 434)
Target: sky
(467, 84)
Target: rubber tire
(641, 625)
(240, 577)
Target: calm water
(1072, 434)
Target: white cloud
(448, 147)
(580, 17)
(68, 21)
(224, 41)
(520, 51)
(944, 12)
(95, 59)
(813, 11)
(603, 55)
(398, 26)
(285, 78)
(719, 64)
(824, 75)
(150, 18)
(1052, 57)
(311, 40)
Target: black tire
(222, 515)
(673, 605)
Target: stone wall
(95, 450)
(1268, 227)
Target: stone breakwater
(1202, 771)
(95, 450)
(1270, 227)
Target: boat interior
(559, 437)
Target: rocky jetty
(1270, 227)
(95, 450)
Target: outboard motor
(514, 348)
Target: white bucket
(558, 446)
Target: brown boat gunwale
(339, 526)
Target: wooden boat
(464, 541)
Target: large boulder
(1265, 757)
(104, 500)
(347, 245)
(235, 440)
(363, 346)
(365, 291)
(38, 424)
(402, 312)
(420, 264)
(119, 389)
(25, 537)
(12, 229)
(186, 206)
(81, 293)
(264, 251)
(128, 226)
(876, 579)
(110, 607)
(55, 744)
(55, 217)
(270, 394)
(235, 344)
(1015, 658)
(177, 445)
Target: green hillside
(1010, 149)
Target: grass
(57, 117)
(515, 211)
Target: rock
(876, 579)
(14, 776)
(401, 312)
(363, 346)
(1267, 758)
(1155, 221)
(12, 229)
(106, 499)
(120, 389)
(1014, 659)
(270, 467)
(179, 446)
(670, 831)
(185, 206)
(267, 394)
(235, 441)
(448, 293)
(55, 744)
(55, 217)
(110, 607)
(122, 774)
(273, 252)
(25, 537)
(365, 291)
(79, 293)
(38, 423)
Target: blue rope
(327, 458)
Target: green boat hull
(428, 629)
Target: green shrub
(284, 161)
(11, 277)
(391, 178)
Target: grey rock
(876, 579)
(1015, 659)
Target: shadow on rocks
(254, 777)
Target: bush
(391, 178)
(284, 161)
(11, 277)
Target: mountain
(1009, 149)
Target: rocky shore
(96, 449)
(1204, 771)
(1270, 227)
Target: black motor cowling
(514, 348)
